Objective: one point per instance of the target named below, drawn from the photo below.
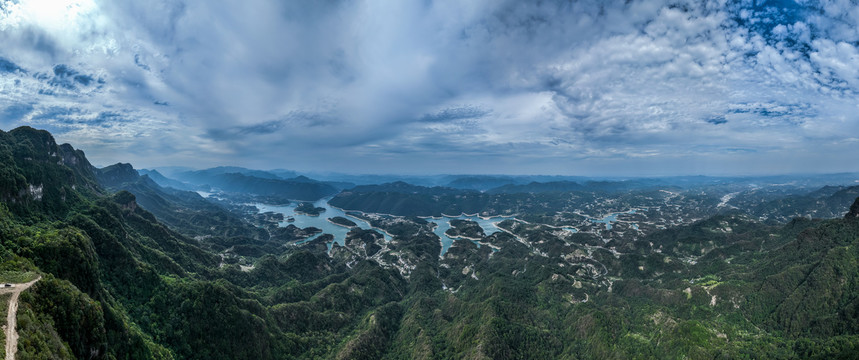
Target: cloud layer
(583, 87)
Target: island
(292, 233)
(342, 221)
(307, 208)
(465, 229)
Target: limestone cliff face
(116, 175)
(854, 210)
(35, 171)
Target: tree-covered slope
(184, 211)
(259, 183)
(119, 284)
(40, 179)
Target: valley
(610, 269)
(429, 180)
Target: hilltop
(130, 271)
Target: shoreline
(306, 214)
(383, 232)
(565, 227)
(346, 212)
(461, 237)
(345, 226)
(473, 240)
(443, 215)
(481, 217)
(370, 226)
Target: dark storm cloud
(718, 120)
(66, 77)
(8, 66)
(456, 113)
(295, 119)
(15, 112)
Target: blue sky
(646, 87)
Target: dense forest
(132, 270)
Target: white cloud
(351, 82)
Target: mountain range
(130, 270)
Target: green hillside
(122, 279)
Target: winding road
(12, 317)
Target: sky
(590, 87)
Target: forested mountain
(405, 199)
(185, 211)
(164, 181)
(826, 202)
(203, 175)
(777, 203)
(244, 181)
(482, 183)
(117, 283)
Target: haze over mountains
(779, 197)
(693, 266)
(441, 179)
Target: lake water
(443, 223)
(320, 221)
(612, 218)
(340, 232)
(488, 226)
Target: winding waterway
(442, 223)
(321, 221)
(613, 218)
(339, 232)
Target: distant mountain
(302, 179)
(567, 186)
(198, 176)
(826, 191)
(284, 173)
(118, 284)
(169, 171)
(116, 175)
(482, 183)
(375, 179)
(406, 199)
(164, 181)
(400, 198)
(299, 188)
(339, 185)
(186, 211)
(826, 202)
(537, 187)
(406, 188)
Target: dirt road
(12, 317)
